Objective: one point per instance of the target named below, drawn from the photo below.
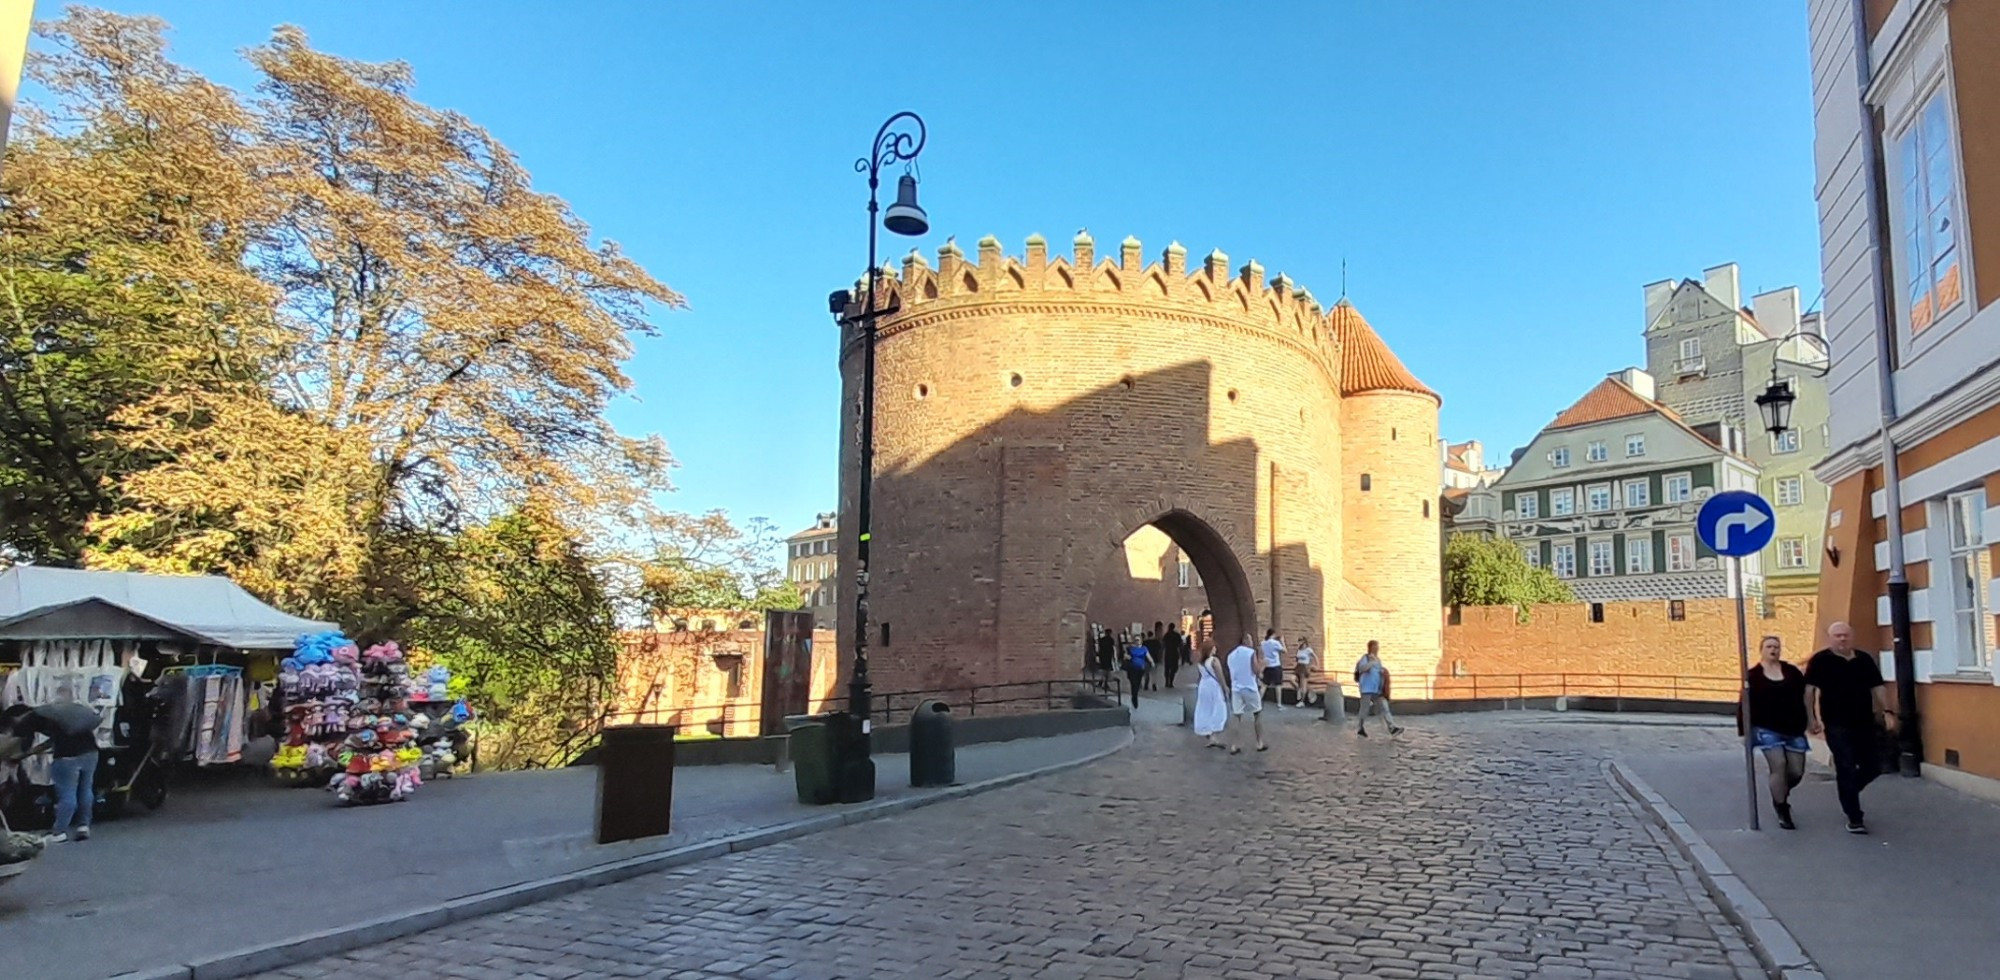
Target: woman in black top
(1778, 723)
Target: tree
(129, 207)
(1483, 571)
(707, 562)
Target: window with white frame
(1926, 177)
(1526, 506)
(1595, 452)
(1597, 497)
(1677, 487)
(1600, 559)
(1638, 493)
(1559, 457)
(1791, 552)
(1562, 560)
(1186, 571)
(1971, 580)
(1635, 444)
(1638, 554)
(1791, 491)
(1532, 551)
(1785, 442)
(1680, 552)
(1562, 501)
(1690, 355)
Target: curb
(1780, 953)
(340, 939)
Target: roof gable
(1366, 363)
(1611, 399)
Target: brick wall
(1635, 639)
(683, 678)
(1032, 413)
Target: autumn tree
(709, 562)
(1483, 571)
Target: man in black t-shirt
(1848, 704)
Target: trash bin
(933, 761)
(1333, 704)
(811, 749)
(635, 782)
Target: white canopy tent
(39, 603)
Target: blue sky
(1500, 178)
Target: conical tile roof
(1366, 363)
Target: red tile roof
(1366, 363)
(1611, 399)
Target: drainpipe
(1909, 738)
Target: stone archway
(1141, 580)
(1229, 595)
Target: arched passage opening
(1173, 569)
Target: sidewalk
(1915, 898)
(232, 867)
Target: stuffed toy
(438, 682)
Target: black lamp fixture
(1776, 404)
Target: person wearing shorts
(1273, 651)
(1778, 723)
(1302, 669)
(1246, 699)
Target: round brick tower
(1032, 412)
(1392, 560)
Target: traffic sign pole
(1743, 671)
(1735, 523)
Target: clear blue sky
(1501, 178)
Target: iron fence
(742, 719)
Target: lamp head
(906, 217)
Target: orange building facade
(1907, 152)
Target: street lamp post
(900, 139)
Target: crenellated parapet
(919, 292)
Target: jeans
(74, 780)
(1136, 677)
(1855, 764)
(1172, 666)
(1373, 702)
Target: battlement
(1210, 288)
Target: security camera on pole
(1736, 523)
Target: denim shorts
(1765, 738)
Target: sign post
(1736, 523)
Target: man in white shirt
(1245, 697)
(1274, 664)
(1302, 668)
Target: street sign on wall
(1736, 523)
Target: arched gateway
(1032, 413)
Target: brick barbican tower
(1031, 413)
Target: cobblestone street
(1470, 846)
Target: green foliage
(1482, 571)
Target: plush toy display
(346, 720)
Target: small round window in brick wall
(1232, 394)
(1125, 382)
(1014, 380)
(922, 392)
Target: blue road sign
(1736, 523)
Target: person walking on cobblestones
(1302, 669)
(1153, 657)
(1778, 723)
(1246, 699)
(1274, 665)
(1211, 704)
(1371, 681)
(1847, 703)
(1135, 665)
(1171, 652)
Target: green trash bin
(812, 760)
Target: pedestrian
(1274, 665)
(1371, 681)
(1246, 699)
(1848, 705)
(1136, 661)
(1211, 704)
(1302, 668)
(70, 733)
(1107, 655)
(1153, 648)
(1778, 723)
(1172, 652)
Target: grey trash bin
(933, 760)
(811, 749)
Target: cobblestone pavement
(1470, 846)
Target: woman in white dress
(1211, 707)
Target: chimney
(1657, 294)
(1725, 284)
(1777, 311)
(1640, 382)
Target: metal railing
(744, 719)
(1666, 687)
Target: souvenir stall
(439, 720)
(177, 665)
(348, 720)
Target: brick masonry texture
(1635, 639)
(682, 678)
(1032, 413)
(1488, 846)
